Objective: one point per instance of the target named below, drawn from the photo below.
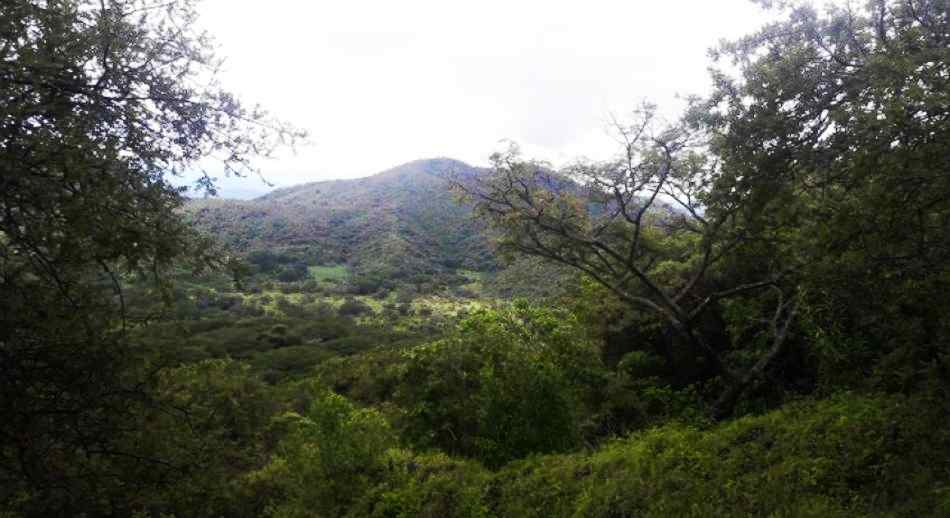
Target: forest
(742, 312)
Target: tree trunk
(726, 403)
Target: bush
(294, 272)
(332, 454)
(500, 387)
(849, 456)
(278, 336)
(265, 260)
(220, 436)
(432, 484)
(353, 307)
(347, 345)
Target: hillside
(397, 224)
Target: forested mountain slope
(398, 223)
(743, 313)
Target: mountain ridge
(397, 224)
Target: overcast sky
(379, 83)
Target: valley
(739, 309)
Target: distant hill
(397, 224)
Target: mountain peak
(360, 221)
(439, 166)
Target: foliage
(426, 485)
(399, 227)
(779, 257)
(607, 221)
(849, 455)
(505, 384)
(835, 458)
(352, 307)
(804, 202)
(369, 378)
(103, 100)
(836, 127)
(294, 272)
(210, 425)
(529, 278)
(330, 456)
(277, 347)
(177, 452)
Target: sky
(380, 83)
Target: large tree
(812, 186)
(650, 227)
(101, 103)
(838, 124)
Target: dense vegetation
(742, 314)
(401, 227)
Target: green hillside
(742, 312)
(401, 225)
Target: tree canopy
(742, 312)
(815, 176)
(102, 103)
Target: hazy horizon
(245, 188)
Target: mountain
(397, 224)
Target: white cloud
(378, 83)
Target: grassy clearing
(333, 273)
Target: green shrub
(431, 485)
(848, 456)
(502, 386)
(368, 378)
(207, 422)
(289, 362)
(353, 307)
(332, 454)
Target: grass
(334, 273)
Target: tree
(332, 454)
(102, 102)
(651, 228)
(503, 385)
(837, 124)
(213, 427)
(812, 185)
